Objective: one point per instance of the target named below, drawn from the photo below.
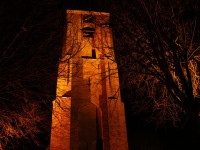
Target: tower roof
(87, 12)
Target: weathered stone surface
(93, 117)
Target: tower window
(88, 31)
(93, 54)
(91, 57)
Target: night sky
(98, 5)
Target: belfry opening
(88, 113)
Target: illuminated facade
(88, 113)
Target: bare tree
(30, 48)
(157, 44)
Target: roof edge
(87, 12)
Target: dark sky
(96, 5)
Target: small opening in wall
(112, 97)
(94, 54)
(91, 57)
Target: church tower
(88, 113)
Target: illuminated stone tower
(88, 113)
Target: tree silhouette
(157, 45)
(31, 42)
